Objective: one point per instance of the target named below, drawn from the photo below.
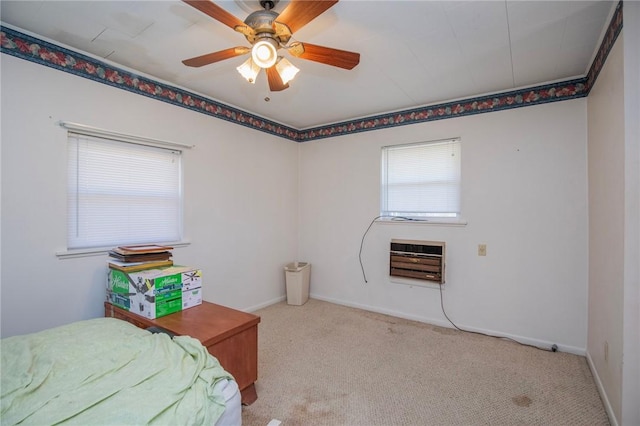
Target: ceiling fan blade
(300, 12)
(325, 55)
(275, 81)
(220, 55)
(217, 13)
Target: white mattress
(232, 415)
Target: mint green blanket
(107, 371)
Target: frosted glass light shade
(264, 53)
(249, 70)
(286, 70)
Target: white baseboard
(603, 395)
(265, 304)
(439, 322)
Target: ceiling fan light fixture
(267, 32)
(264, 53)
(286, 70)
(249, 70)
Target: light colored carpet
(326, 364)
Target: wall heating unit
(417, 260)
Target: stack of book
(140, 257)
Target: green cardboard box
(151, 293)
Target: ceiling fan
(267, 32)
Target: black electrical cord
(400, 218)
(554, 348)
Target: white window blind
(122, 193)
(421, 180)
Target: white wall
(614, 224)
(606, 224)
(631, 333)
(241, 198)
(524, 195)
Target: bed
(108, 371)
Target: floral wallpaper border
(610, 37)
(15, 43)
(518, 98)
(514, 99)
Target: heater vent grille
(419, 260)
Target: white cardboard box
(192, 279)
(191, 298)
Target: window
(421, 180)
(122, 193)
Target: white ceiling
(413, 53)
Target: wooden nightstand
(229, 335)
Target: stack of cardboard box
(140, 257)
(156, 292)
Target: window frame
(388, 214)
(75, 131)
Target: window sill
(437, 222)
(100, 251)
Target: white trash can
(297, 275)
